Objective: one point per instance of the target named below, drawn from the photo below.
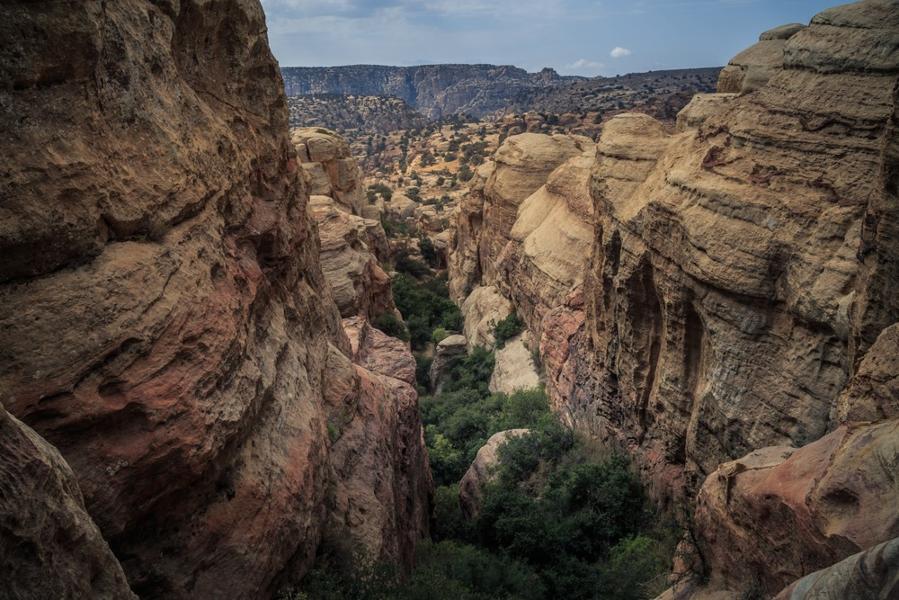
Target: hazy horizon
(576, 37)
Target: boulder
(446, 353)
(482, 469)
(514, 368)
(482, 310)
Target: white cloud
(619, 52)
(583, 63)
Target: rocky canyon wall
(732, 293)
(164, 320)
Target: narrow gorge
(512, 346)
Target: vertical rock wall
(164, 321)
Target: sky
(575, 37)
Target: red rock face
(42, 517)
(779, 513)
(163, 315)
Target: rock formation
(381, 499)
(51, 547)
(514, 369)
(486, 219)
(779, 513)
(482, 310)
(329, 168)
(447, 352)
(868, 574)
(165, 322)
(736, 299)
(481, 470)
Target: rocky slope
(734, 297)
(165, 322)
(434, 90)
(368, 114)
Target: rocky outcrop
(484, 225)
(349, 261)
(446, 353)
(514, 369)
(482, 310)
(165, 322)
(769, 518)
(751, 69)
(482, 470)
(352, 246)
(724, 301)
(550, 244)
(868, 574)
(51, 546)
(380, 502)
(329, 168)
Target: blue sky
(584, 37)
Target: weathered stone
(780, 513)
(514, 368)
(49, 545)
(164, 319)
(329, 167)
(873, 573)
(446, 353)
(482, 310)
(357, 282)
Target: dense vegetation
(560, 519)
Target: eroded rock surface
(382, 490)
(165, 322)
(868, 574)
(514, 368)
(51, 547)
(482, 310)
(349, 260)
(448, 351)
(726, 305)
(738, 291)
(328, 167)
(779, 513)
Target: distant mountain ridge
(434, 90)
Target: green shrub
(507, 329)
(636, 569)
(389, 324)
(439, 335)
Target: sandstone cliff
(165, 322)
(352, 246)
(735, 294)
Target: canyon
(209, 389)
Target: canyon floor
(452, 331)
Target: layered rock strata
(165, 322)
(737, 291)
